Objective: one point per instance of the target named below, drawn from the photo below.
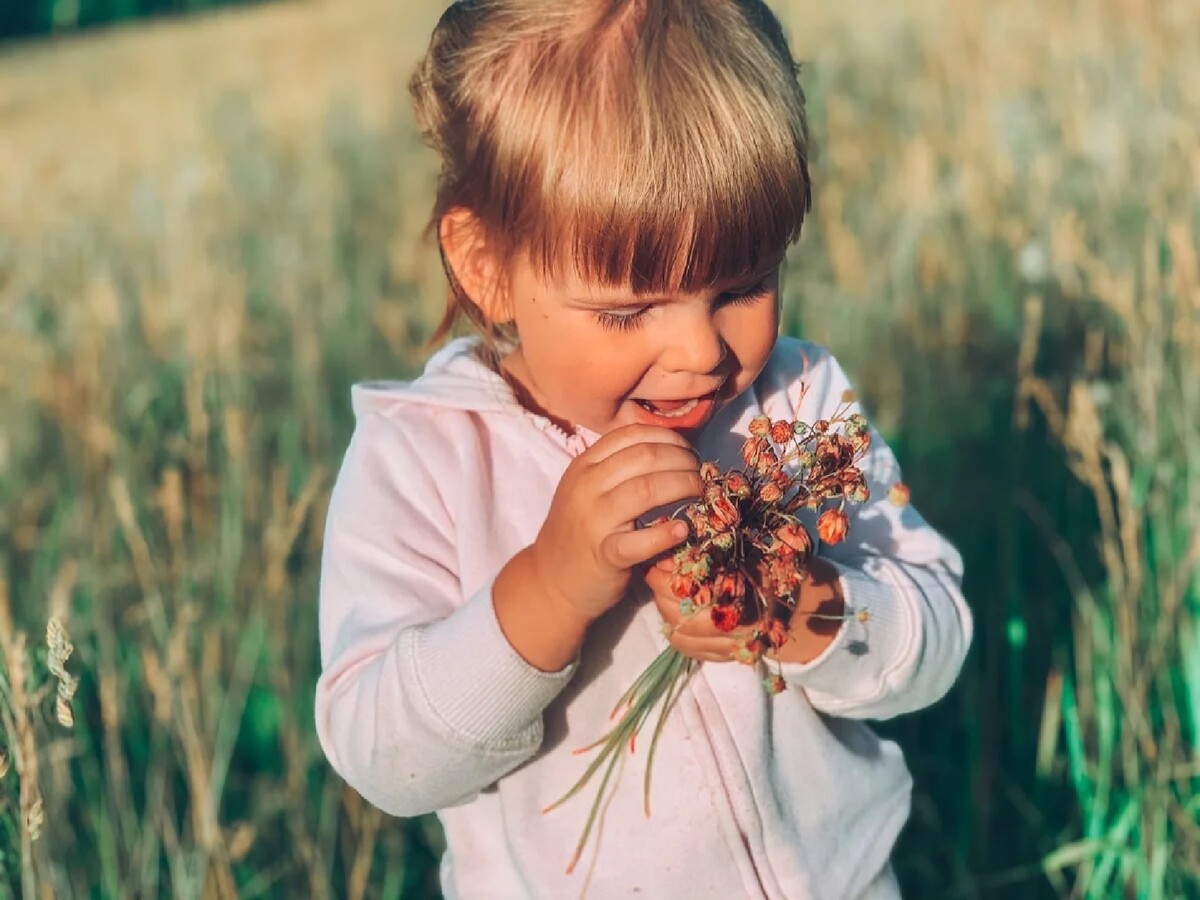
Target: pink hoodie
(423, 705)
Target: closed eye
(630, 321)
(748, 296)
(622, 321)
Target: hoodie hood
(456, 377)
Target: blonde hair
(659, 144)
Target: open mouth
(677, 414)
(671, 409)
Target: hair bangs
(656, 232)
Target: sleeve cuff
(877, 636)
(476, 683)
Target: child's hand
(694, 635)
(588, 547)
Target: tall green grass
(1003, 254)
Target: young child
(620, 180)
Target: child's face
(588, 353)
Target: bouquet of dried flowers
(744, 561)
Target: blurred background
(211, 225)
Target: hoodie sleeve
(422, 702)
(908, 627)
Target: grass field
(210, 228)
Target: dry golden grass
(209, 228)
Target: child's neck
(512, 370)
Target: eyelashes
(631, 321)
(614, 322)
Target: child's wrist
(555, 601)
(542, 628)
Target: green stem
(681, 667)
(661, 682)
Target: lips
(670, 408)
(678, 414)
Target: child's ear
(475, 263)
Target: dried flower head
(774, 684)
(746, 526)
(833, 526)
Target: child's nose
(696, 345)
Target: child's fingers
(698, 625)
(626, 549)
(695, 635)
(643, 491)
(630, 436)
(705, 649)
(658, 579)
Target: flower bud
(796, 537)
(726, 617)
(682, 585)
(898, 494)
(766, 461)
(760, 425)
(709, 471)
(756, 643)
(725, 513)
(833, 525)
(744, 655)
(770, 492)
(700, 520)
(774, 684)
(730, 588)
(781, 432)
(737, 484)
(753, 449)
(777, 633)
(723, 541)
